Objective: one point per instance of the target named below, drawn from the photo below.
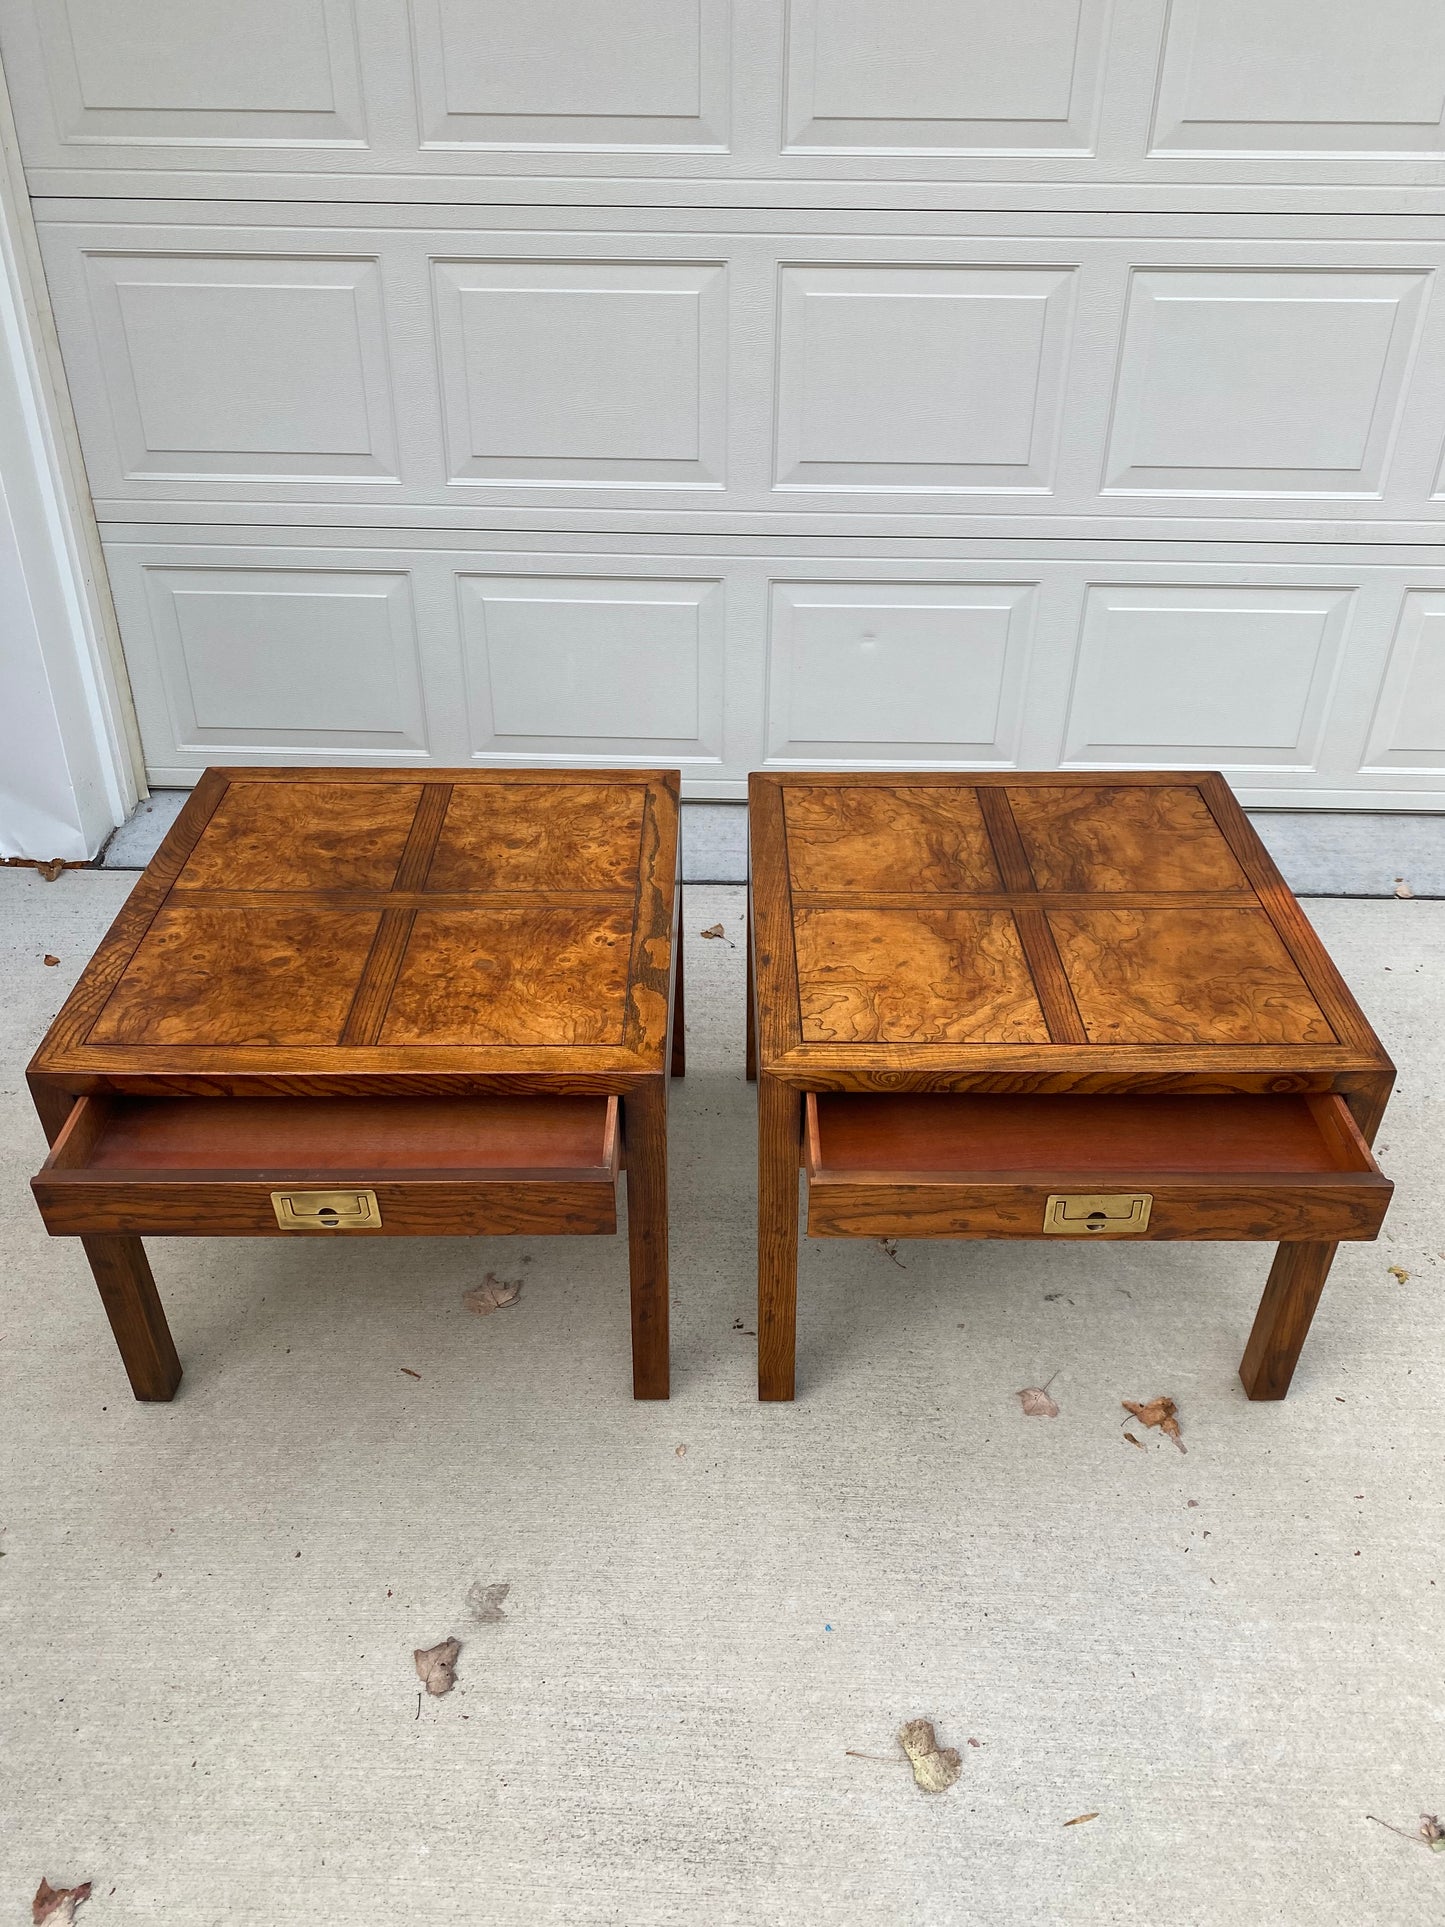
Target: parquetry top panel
(540, 836)
(1021, 921)
(902, 837)
(1111, 837)
(915, 976)
(328, 924)
(313, 836)
(1165, 976)
(256, 976)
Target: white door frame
(70, 759)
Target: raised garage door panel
(718, 92)
(1306, 683)
(740, 383)
(693, 366)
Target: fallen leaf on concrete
(890, 1250)
(409, 1372)
(1079, 1819)
(1397, 1272)
(935, 1767)
(50, 871)
(52, 961)
(491, 1294)
(484, 1603)
(1431, 1833)
(718, 931)
(1036, 1401)
(436, 1666)
(1133, 1441)
(57, 1904)
(1160, 1412)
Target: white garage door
(737, 383)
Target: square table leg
(750, 1047)
(1282, 1323)
(679, 1020)
(780, 1111)
(133, 1306)
(644, 1124)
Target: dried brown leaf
(52, 961)
(716, 930)
(484, 1603)
(890, 1250)
(935, 1767)
(57, 1905)
(1431, 1834)
(1079, 1819)
(1133, 1441)
(408, 1372)
(1161, 1412)
(1036, 1401)
(436, 1666)
(492, 1294)
(50, 871)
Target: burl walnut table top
(1089, 931)
(333, 930)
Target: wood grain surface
(914, 976)
(1207, 1210)
(303, 924)
(1114, 836)
(1061, 933)
(540, 836)
(132, 1304)
(316, 1140)
(552, 976)
(1291, 1295)
(311, 935)
(268, 977)
(908, 837)
(1141, 914)
(1191, 1135)
(1166, 976)
(227, 1206)
(317, 836)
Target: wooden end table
(1057, 1005)
(376, 1003)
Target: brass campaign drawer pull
(1077, 1213)
(325, 1210)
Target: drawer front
(1275, 1169)
(1338, 1209)
(183, 1208)
(343, 1168)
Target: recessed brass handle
(325, 1210)
(1077, 1213)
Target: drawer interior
(935, 1137)
(348, 1138)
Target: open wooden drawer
(963, 1166)
(196, 1167)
